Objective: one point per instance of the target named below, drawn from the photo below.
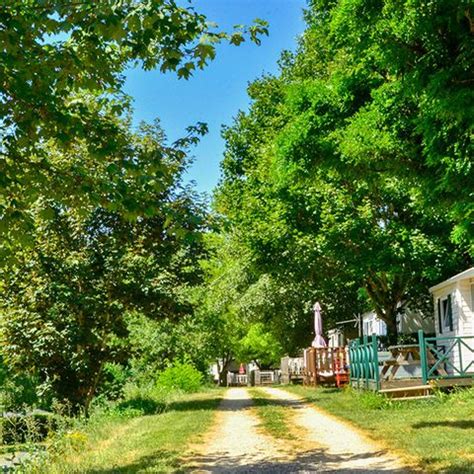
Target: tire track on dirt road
(237, 443)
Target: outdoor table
(408, 354)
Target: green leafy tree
(154, 344)
(417, 57)
(261, 346)
(216, 301)
(331, 182)
(65, 300)
(94, 220)
(62, 71)
(235, 298)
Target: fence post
(375, 352)
(356, 354)
(360, 365)
(461, 369)
(366, 361)
(355, 362)
(424, 362)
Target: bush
(143, 400)
(114, 378)
(19, 390)
(181, 376)
(27, 427)
(374, 401)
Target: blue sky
(215, 94)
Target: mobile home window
(399, 323)
(368, 328)
(447, 313)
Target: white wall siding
(463, 320)
(466, 310)
(371, 324)
(413, 321)
(459, 286)
(467, 321)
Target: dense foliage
(66, 299)
(97, 229)
(62, 68)
(350, 179)
(181, 376)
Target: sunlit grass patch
(273, 415)
(150, 443)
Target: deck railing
(325, 365)
(364, 363)
(236, 379)
(267, 377)
(441, 358)
(445, 357)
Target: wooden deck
(409, 389)
(442, 383)
(400, 383)
(400, 371)
(453, 382)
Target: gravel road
(237, 444)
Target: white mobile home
(454, 312)
(454, 305)
(408, 322)
(372, 324)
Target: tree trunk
(223, 369)
(92, 389)
(387, 296)
(392, 331)
(223, 378)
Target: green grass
(152, 443)
(437, 434)
(272, 414)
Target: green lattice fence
(364, 363)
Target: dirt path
(238, 445)
(342, 448)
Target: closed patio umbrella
(318, 340)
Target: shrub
(114, 378)
(19, 390)
(143, 400)
(374, 401)
(180, 376)
(27, 427)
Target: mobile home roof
(465, 274)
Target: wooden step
(418, 397)
(407, 392)
(406, 389)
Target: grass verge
(273, 415)
(151, 443)
(437, 434)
